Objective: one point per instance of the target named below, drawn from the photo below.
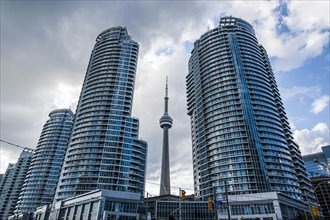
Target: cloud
(311, 141)
(320, 104)
(66, 96)
(151, 75)
(6, 156)
(165, 51)
(289, 93)
(297, 21)
(302, 36)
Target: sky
(45, 49)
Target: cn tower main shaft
(165, 123)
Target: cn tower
(165, 123)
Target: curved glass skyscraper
(12, 182)
(40, 182)
(240, 133)
(104, 150)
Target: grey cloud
(44, 43)
(47, 43)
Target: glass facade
(40, 182)
(318, 164)
(251, 209)
(190, 210)
(96, 204)
(104, 150)
(238, 125)
(269, 205)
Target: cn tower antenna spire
(166, 88)
(165, 123)
(166, 97)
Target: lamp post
(314, 188)
(215, 203)
(317, 186)
(147, 204)
(227, 200)
(309, 206)
(325, 181)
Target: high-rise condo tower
(12, 182)
(104, 151)
(240, 134)
(41, 179)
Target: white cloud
(66, 96)
(305, 35)
(149, 107)
(297, 20)
(58, 47)
(311, 141)
(320, 104)
(292, 124)
(288, 93)
(291, 39)
(6, 157)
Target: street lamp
(227, 201)
(147, 203)
(314, 188)
(226, 194)
(325, 181)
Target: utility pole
(309, 205)
(215, 203)
(147, 206)
(180, 204)
(227, 200)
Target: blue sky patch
(283, 10)
(165, 51)
(188, 46)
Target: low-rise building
(171, 207)
(262, 206)
(97, 204)
(317, 165)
